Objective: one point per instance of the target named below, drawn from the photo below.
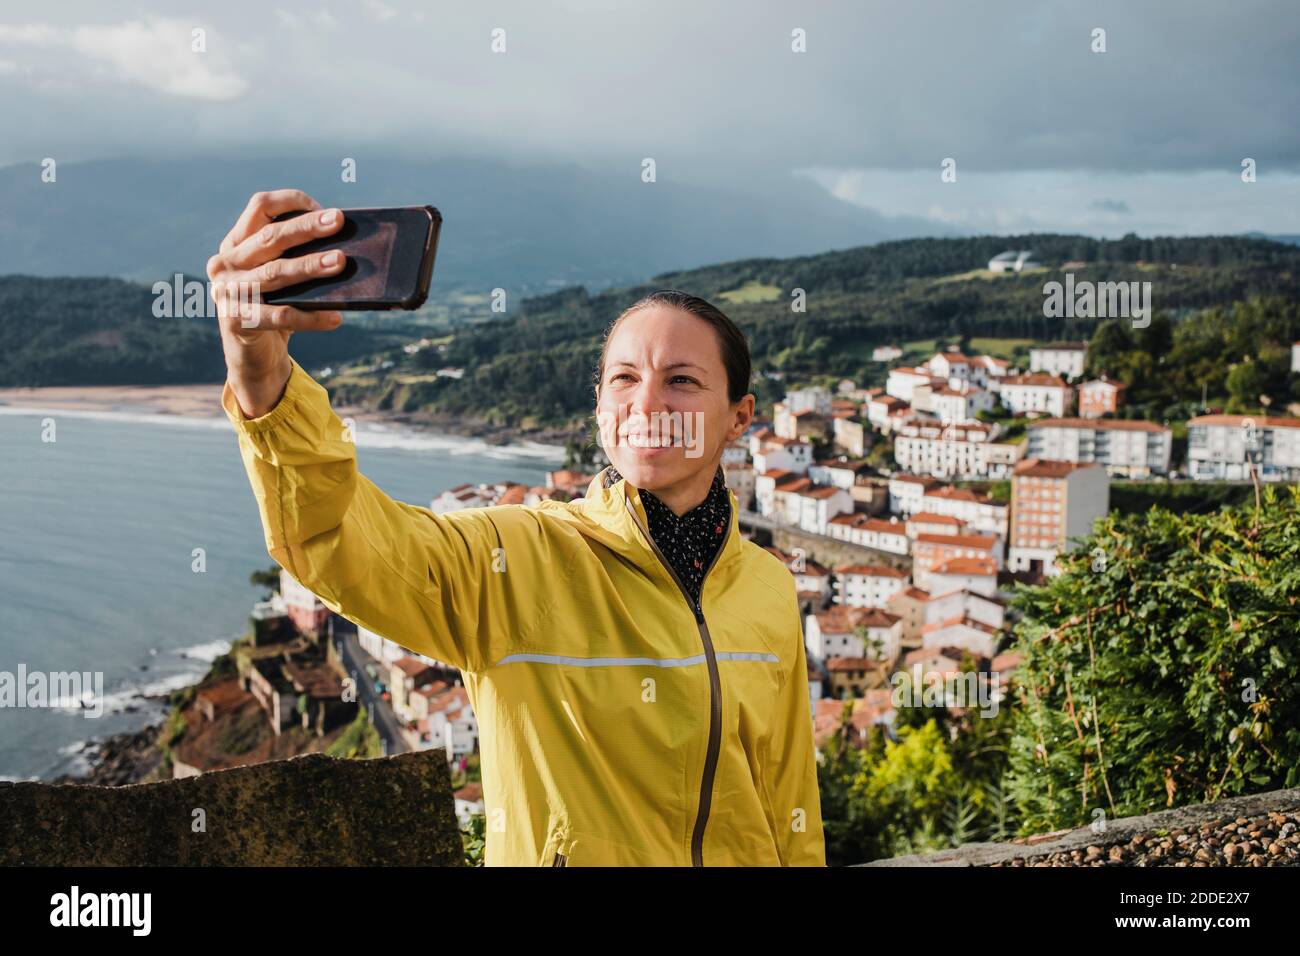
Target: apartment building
(1053, 502)
(955, 451)
(1222, 447)
(1127, 448)
(1036, 393)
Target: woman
(636, 667)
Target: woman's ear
(742, 416)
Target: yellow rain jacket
(619, 724)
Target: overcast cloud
(1148, 136)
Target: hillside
(103, 332)
(533, 366)
(536, 366)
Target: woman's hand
(255, 336)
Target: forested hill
(533, 365)
(79, 331)
(537, 365)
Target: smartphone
(390, 255)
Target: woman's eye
(684, 378)
(615, 378)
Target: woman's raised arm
(437, 584)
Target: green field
(986, 276)
(999, 348)
(752, 291)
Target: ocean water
(97, 536)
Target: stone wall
(1262, 829)
(311, 810)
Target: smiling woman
(636, 667)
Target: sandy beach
(190, 401)
(203, 402)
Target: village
(903, 566)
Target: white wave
(368, 434)
(206, 652)
(131, 697)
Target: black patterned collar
(689, 542)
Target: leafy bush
(1167, 675)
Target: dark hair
(731, 341)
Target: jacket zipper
(715, 682)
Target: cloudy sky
(1047, 134)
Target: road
(354, 660)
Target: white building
(1126, 447)
(955, 405)
(736, 453)
(884, 411)
(1295, 357)
(1013, 260)
(902, 381)
(815, 398)
(927, 522)
(818, 504)
(975, 511)
(462, 496)
(771, 452)
(842, 631)
(841, 474)
(1023, 394)
(964, 632)
(962, 604)
(889, 536)
(958, 369)
(906, 493)
(965, 451)
(1059, 358)
(886, 353)
(867, 585)
(1053, 503)
(1221, 447)
(965, 574)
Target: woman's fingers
(274, 238)
(262, 208)
(263, 317)
(281, 273)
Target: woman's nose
(647, 399)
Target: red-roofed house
(867, 585)
(842, 631)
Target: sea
(100, 571)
